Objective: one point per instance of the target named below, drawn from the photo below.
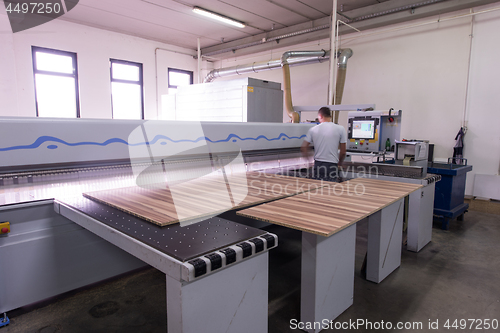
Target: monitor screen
(363, 129)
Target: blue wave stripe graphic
(51, 139)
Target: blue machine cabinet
(449, 196)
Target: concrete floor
(456, 276)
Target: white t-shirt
(326, 138)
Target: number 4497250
(478, 324)
(34, 8)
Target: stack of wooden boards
(313, 206)
(202, 197)
(331, 208)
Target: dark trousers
(325, 171)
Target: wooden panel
(202, 197)
(333, 207)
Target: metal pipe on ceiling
(417, 25)
(288, 59)
(300, 54)
(268, 40)
(256, 67)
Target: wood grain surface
(331, 208)
(201, 197)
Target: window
(127, 96)
(56, 83)
(178, 78)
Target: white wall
(422, 71)
(482, 141)
(94, 48)
(8, 81)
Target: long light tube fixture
(218, 17)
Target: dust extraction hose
(341, 74)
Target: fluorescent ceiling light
(218, 17)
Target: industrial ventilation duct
(345, 54)
(287, 85)
(290, 58)
(256, 67)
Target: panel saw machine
(46, 165)
(57, 240)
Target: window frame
(74, 58)
(181, 71)
(140, 82)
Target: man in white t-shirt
(327, 138)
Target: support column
(420, 216)
(385, 233)
(233, 300)
(327, 285)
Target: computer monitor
(363, 129)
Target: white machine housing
(239, 100)
(412, 153)
(45, 143)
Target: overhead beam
(258, 39)
(381, 7)
(260, 43)
(418, 13)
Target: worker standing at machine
(328, 138)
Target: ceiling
(267, 21)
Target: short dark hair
(325, 112)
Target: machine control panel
(361, 145)
(373, 131)
(363, 133)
